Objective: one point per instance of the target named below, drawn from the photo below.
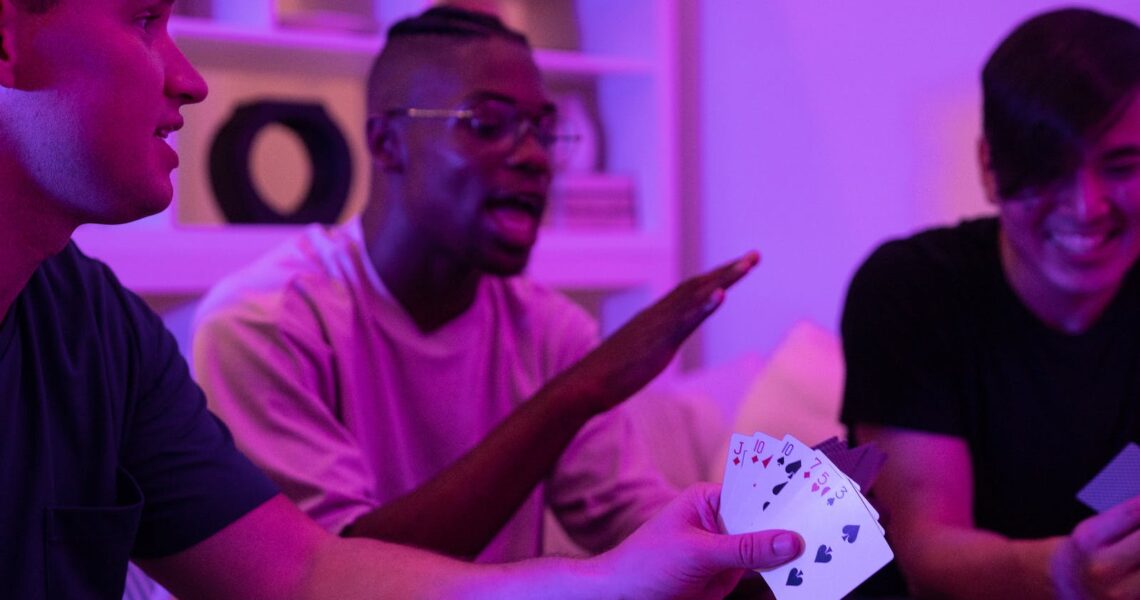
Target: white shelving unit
(628, 55)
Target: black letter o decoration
(328, 154)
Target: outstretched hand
(1101, 558)
(642, 348)
(679, 554)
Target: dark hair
(454, 22)
(1054, 83)
(36, 6)
(413, 40)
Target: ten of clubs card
(772, 483)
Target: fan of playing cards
(785, 484)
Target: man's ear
(384, 144)
(989, 180)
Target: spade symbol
(850, 533)
(780, 460)
(823, 555)
(765, 507)
(793, 468)
(779, 488)
(795, 577)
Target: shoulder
(82, 292)
(280, 284)
(934, 260)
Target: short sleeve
(899, 346)
(269, 374)
(193, 480)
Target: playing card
(739, 451)
(843, 545)
(760, 468)
(1117, 482)
(783, 478)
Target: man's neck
(29, 235)
(432, 289)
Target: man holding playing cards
(997, 362)
(109, 453)
(394, 377)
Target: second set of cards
(772, 483)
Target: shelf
(189, 260)
(206, 40)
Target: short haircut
(1055, 83)
(413, 41)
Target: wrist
(576, 395)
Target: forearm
(461, 509)
(974, 564)
(367, 569)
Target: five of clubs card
(772, 483)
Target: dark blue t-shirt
(108, 450)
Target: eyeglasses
(499, 123)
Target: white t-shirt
(328, 385)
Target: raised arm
(926, 489)
(461, 509)
(276, 553)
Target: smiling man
(395, 376)
(998, 362)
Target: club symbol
(795, 577)
(823, 555)
(850, 533)
(831, 501)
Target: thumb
(756, 550)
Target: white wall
(825, 127)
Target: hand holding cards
(785, 484)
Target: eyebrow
(547, 106)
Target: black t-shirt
(107, 446)
(936, 340)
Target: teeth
(1079, 243)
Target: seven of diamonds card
(786, 484)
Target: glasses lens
(494, 121)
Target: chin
(506, 266)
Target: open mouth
(516, 218)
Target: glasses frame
(528, 123)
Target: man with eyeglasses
(395, 377)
